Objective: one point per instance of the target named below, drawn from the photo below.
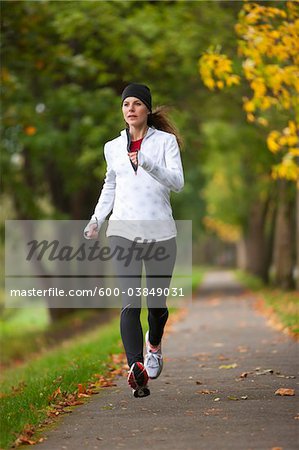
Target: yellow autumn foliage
(216, 71)
(287, 169)
(226, 232)
(268, 44)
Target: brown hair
(159, 120)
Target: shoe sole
(141, 392)
(154, 378)
(141, 380)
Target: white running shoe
(153, 360)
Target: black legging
(158, 275)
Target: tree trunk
(297, 238)
(241, 254)
(42, 277)
(59, 313)
(255, 241)
(284, 238)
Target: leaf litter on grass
(26, 437)
(60, 402)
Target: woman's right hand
(91, 230)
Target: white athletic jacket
(140, 201)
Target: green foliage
(237, 170)
(65, 65)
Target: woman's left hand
(133, 157)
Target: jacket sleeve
(170, 176)
(107, 195)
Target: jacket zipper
(129, 150)
(129, 141)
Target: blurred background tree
(64, 69)
(268, 47)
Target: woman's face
(135, 112)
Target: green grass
(27, 318)
(22, 333)
(284, 304)
(197, 276)
(28, 331)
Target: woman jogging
(143, 166)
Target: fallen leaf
(201, 356)
(222, 358)
(106, 407)
(55, 394)
(81, 389)
(104, 381)
(119, 371)
(285, 391)
(263, 372)
(284, 376)
(212, 412)
(243, 374)
(206, 391)
(242, 349)
(26, 436)
(24, 440)
(82, 395)
(232, 397)
(118, 358)
(228, 366)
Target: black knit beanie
(139, 91)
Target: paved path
(221, 328)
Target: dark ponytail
(159, 120)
